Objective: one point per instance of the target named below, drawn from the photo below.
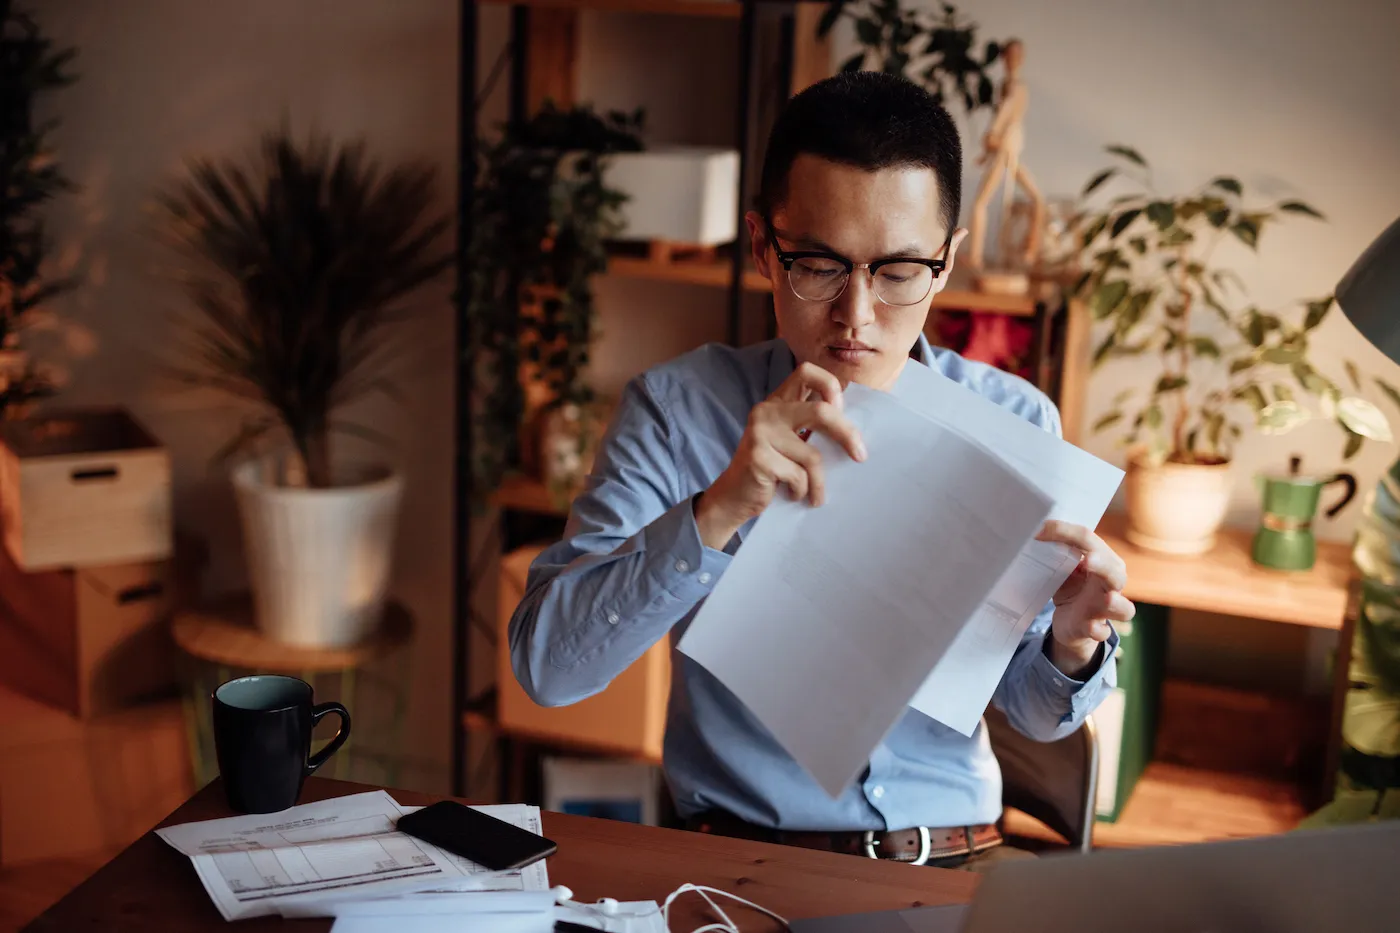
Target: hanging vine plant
(543, 217)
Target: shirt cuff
(683, 564)
(1077, 692)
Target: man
(856, 230)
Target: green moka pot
(1285, 539)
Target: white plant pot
(318, 559)
(1176, 508)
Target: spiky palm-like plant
(298, 265)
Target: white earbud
(607, 905)
(562, 893)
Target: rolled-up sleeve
(1040, 700)
(630, 566)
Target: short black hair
(869, 120)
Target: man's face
(863, 217)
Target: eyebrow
(813, 243)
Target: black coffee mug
(262, 734)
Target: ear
(941, 282)
(758, 244)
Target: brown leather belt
(917, 846)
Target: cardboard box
(87, 641)
(82, 488)
(628, 718)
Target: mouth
(849, 351)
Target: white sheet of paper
(828, 619)
(1080, 485)
(471, 912)
(296, 861)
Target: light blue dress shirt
(631, 569)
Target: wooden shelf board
(718, 9)
(1227, 581)
(715, 273)
(1177, 805)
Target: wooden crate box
(82, 488)
(628, 718)
(90, 640)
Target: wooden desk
(151, 887)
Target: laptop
(1345, 878)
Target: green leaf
(1281, 417)
(1361, 417)
(1140, 244)
(1317, 310)
(1254, 331)
(1218, 216)
(1205, 346)
(1133, 311)
(1128, 153)
(1108, 297)
(1098, 180)
(1161, 213)
(1283, 393)
(1170, 384)
(853, 63)
(1226, 183)
(1390, 391)
(1214, 423)
(868, 32)
(1254, 396)
(1176, 236)
(1092, 233)
(1247, 231)
(1240, 365)
(1102, 351)
(1122, 397)
(1283, 356)
(1298, 207)
(1121, 222)
(1353, 374)
(1153, 417)
(1107, 421)
(829, 17)
(1371, 722)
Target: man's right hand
(774, 451)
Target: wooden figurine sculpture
(1002, 148)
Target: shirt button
(613, 618)
(682, 566)
(704, 578)
(1059, 682)
(877, 791)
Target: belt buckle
(925, 846)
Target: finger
(779, 469)
(809, 380)
(810, 460)
(826, 418)
(1099, 630)
(1099, 559)
(1119, 608)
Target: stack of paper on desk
(305, 858)
(911, 586)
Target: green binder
(1127, 718)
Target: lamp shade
(1369, 294)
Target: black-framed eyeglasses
(818, 275)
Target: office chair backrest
(1055, 782)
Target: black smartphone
(491, 843)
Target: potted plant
(935, 49)
(298, 266)
(543, 216)
(29, 175)
(1149, 274)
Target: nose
(855, 307)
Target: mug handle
(337, 740)
(1350, 482)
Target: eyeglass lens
(897, 283)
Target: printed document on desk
(828, 619)
(265, 864)
(1080, 485)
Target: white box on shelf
(82, 488)
(678, 194)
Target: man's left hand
(1087, 601)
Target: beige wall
(1296, 98)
